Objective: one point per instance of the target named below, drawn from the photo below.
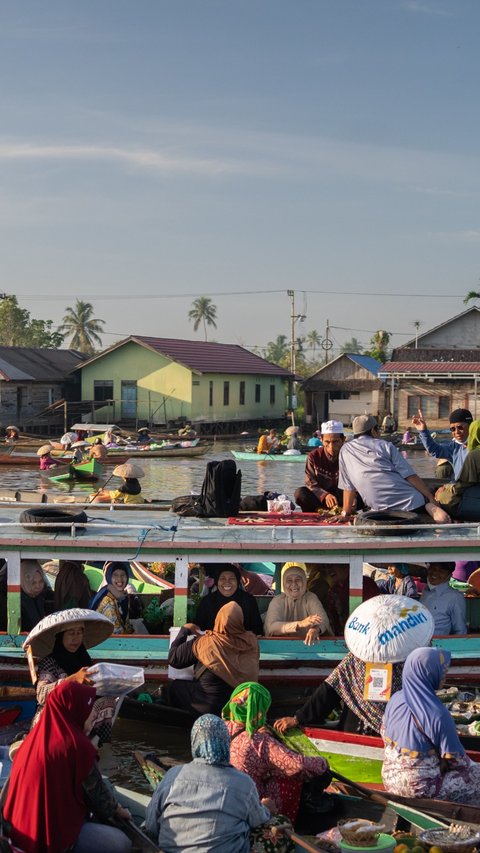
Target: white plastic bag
(115, 679)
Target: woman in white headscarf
(296, 612)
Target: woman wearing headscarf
(227, 579)
(400, 582)
(423, 753)
(343, 691)
(450, 495)
(278, 772)
(222, 658)
(69, 660)
(130, 492)
(296, 612)
(72, 588)
(208, 806)
(112, 598)
(33, 593)
(54, 783)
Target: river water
(166, 479)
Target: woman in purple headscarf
(423, 753)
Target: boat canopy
(95, 427)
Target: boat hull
(246, 456)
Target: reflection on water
(167, 478)
(130, 735)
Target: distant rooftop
(365, 361)
(19, 364)
(439, 368)
(204, 356)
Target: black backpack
(220, 495)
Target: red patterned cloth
(278, 772)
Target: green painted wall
(167, 391)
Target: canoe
(159, 453)
(251, 456)
(91, 469)
(360, 757)
(13, 459)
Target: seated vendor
(296, 612)
(321, 472)
(129, 492)
(268, 442)
(447, 605)
(423, 753)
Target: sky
(155, 151)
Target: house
(32, 380)
(165, 381)
(437, 372)
(343, 388)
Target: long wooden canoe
(91, 469)
(252, 456)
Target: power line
(98, 297)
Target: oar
(123, 823)
(92, 498)
(418, 818)
(297, 839)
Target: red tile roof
(439, 367)
(206, 357)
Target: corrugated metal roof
(366, 361)
(205, 356)
(35, 364)
(438, 367)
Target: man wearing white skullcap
(321, 472)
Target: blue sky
(153, 151)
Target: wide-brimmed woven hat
(143, 429)
(68, 438)
(129, 471)
(12, 426)
(44, 449)
(291, 430)
(41, 639)
(386, 628)
(81, 444)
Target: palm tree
(314, 340)
(379, 343)
(352, 346)
(472, 295)
(277, 351)
(82, 326)
(203, 311)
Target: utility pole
(327, 343)
(293, 319)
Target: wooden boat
(360, 756)
(284, 661)
(176, 450)
(252, 456)
(15, 458)
(90, 469)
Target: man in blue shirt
(376, 470)
(456, 449)
(447, 605)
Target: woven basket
(360, 832)
(451, 842)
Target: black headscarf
(211, 603)
(70, 662)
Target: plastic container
(115, 679)
(385, 844)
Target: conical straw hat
(129, 471)
(44, 449)
(41, 639)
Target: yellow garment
(264, 444)
(118, 497)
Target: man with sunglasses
(456, 449)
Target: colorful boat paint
(90, 469)
(139, 536)
(251, 456)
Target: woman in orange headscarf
(222, 659)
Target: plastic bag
(113, 679)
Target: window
(272, 395)
(102, 390)
(257, 393)
(210, 393)
(241, 395)
(431, 406)
(226, 393)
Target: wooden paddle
(130, 825)
(422, 820)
